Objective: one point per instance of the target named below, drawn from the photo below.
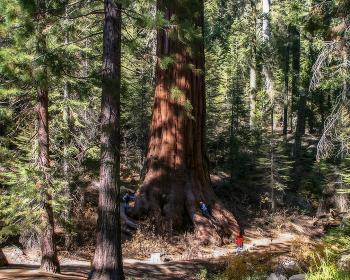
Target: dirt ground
(26, 265)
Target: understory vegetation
(319, 261)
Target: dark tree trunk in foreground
(176, 171)
(49, 260)
(107, 262)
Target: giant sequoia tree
(176, 171)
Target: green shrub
(327, 270)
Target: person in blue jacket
(205, 212)
(127, 198)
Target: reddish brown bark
(107, 262)
(176, 171)
(49, 260)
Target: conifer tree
(34, 61)
(177, 175)
(107, 262)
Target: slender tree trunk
(107, 264)
(296, 68)
(49, 260)
(253, 65)
(266, 67)
(342, 199)
(176, 172)
(322, 109)
(272, 145)
(286, 89)
(66, 189)
(298, 136)
(266, 20)
(232, 134)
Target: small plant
(144, 243)
(202, 275)
(325, 266)
(326, 269)
(250, 266)
(150, 239)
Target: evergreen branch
(85, 77)
(76, 2)
(19, 122)
(16, 222)
(61, 8)
(89, 26)
(96, 12)
(133, 11)
(133, 17)
(9, 82)
(84, 58)
(80, 1)
(135, 72)
(85, 150)
(65, 45)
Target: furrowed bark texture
(107, 262)
(49, 260)
(176, 171)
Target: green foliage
(176, 93)
(166, 62)
(61, 49)
(327, 270)
(38, 54)
(250, 266)
(338, 240)
(326, 264)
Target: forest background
(277, 102)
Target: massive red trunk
(49, 260)
(176, 173)
(108, 257)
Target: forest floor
(27, 266)
(273, 233)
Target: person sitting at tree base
(206, 213)
(127, 198)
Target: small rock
(298, 277)
(345, 261)
(273, 276)
(168, 258)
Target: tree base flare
(50, 266)
(182, 210)
(105, 275)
